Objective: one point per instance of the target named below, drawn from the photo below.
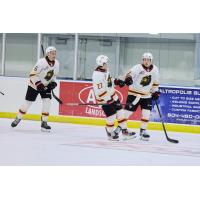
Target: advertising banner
(178, 105)
(82, 92)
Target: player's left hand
(52, 85)
(128, 80)
(155, 95)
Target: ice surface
(70, 144)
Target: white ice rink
(70, 144)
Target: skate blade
(144, 139)
(129, 137)
(45, 130)
(13, 126)
(111, 139)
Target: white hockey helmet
(49, 49)
(101, 59)
(147, 55)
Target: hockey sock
(24, 109)
(110, 121)
(127, 114)
(121, 119)
(46, 103)
(145, 118)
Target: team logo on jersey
(145, 80)
(49, 75)
(109, 81)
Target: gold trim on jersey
(135, 92)
(102, 94)
(32, 75)
(156, 84)
(102, 100)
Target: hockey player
(42, 81)
(103, 85)
(144, 88)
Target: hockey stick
(56, 98)
(169, 139)
(1, 93)
(92, 104)
(42, 48)
(53, 94)
(101, 104)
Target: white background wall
(15, 90)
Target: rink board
(175, 98)
(101, 122)
(178, 105)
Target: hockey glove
(52, 85)
(40, 86)
(119, 82)
(155, 95)
(128, 80)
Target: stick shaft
(90, 104)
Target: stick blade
(173, 140)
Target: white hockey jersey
(44, 71)
(103, 85)
(145, 80)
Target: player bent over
(144, 89)
(103, 85)
(42, 81)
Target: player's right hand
(155, 95)
(40, 86)
(52, 85)
(128, 80)
(119, 82)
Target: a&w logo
(87, 96)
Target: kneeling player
(105, 94)
(144, 88)
(42, 81)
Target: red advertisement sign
(82, 92)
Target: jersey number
(36, 68)
(99, 86)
